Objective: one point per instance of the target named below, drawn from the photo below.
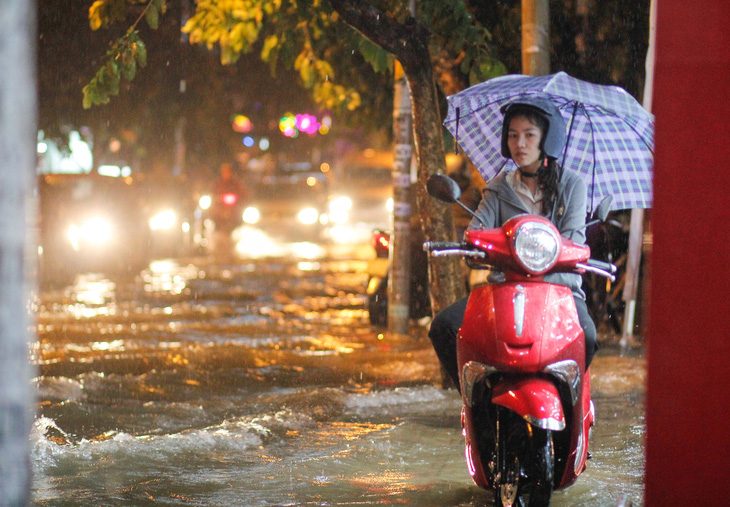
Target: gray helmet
(553, 140)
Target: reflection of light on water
(255, 243)
(112, 345)
(168, 276)
(251, 242)
(94, 296)
(308, 266)
(93, 289)
(389, 481)
(307, 250)
(347, 234)
(354, 431)
(329, 345)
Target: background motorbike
(526, 412)
(379, 268)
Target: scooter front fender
(535, 399)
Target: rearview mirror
(603, 208)
(443, 188)
(602, 211)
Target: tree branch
(394, 37)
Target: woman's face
(523, 141)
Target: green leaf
(130, 70)
(152, 16)
(114, 84)
(377, 57)
(141, 53)
(87, 102)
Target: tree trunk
(446, 273)
(17, 161)
(535, 37)
(409, 44)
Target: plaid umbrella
(610, 136)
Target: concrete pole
(18, 133)
(535, 37)
(400, 259)
(636, 232)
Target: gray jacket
(500, 203)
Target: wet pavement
(259, 381)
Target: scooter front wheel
(526, 465)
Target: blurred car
(292, 203)
(169, 205)
(90, 222)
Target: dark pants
(446, 324)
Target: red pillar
(688, 396)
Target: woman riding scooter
(533, 136)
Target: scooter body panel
(520, 327)
(517, 329)
(536, 399)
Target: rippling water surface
(260, 382)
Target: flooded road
(254, 382)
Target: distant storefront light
(77, 159)
(307, 123)
(114, 171)
(291, 125)
(242, 124)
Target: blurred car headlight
(95, 231)
(163, 220)
(537, 246)
(342, 203)
(205, 202)
(251, 215)
(308, 216)
(339, 210)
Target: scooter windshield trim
(471, 373)
(546, 424)
(568, 372)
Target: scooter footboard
(535, 399)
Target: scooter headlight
(537, 246)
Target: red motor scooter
(527, 409)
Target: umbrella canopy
(610, 135)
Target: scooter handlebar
(430, 246)
(605, 266)
(474, 254)
(595, 269)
